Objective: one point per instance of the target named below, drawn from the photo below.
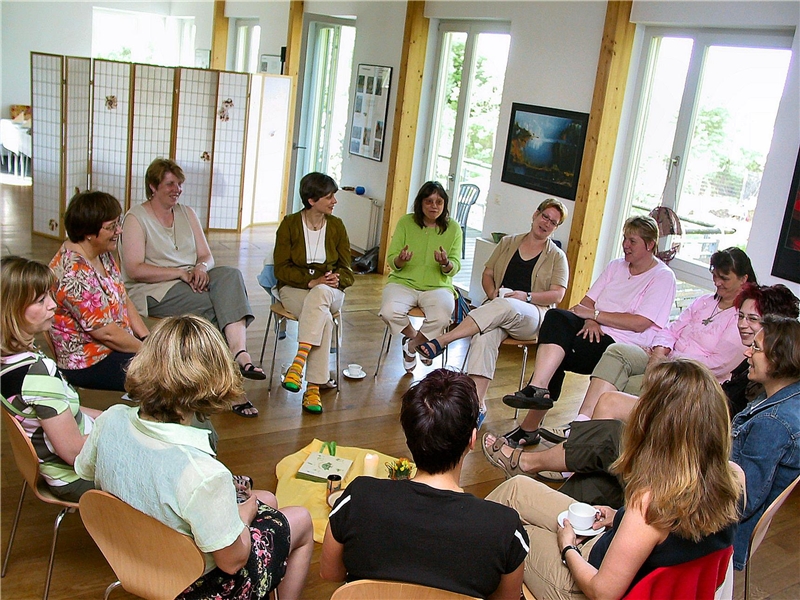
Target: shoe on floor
(409, 358)
(518, 437)
(557, 435)
(312, 403)
(530, 397)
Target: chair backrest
(21, 446)
(370, 589)
(467, 196)
(698, 579)
(149, 558)
(267, 280)
(764, 522)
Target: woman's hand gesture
(440, 256)
(403, 258)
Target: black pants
(108, 374)
(590, 450)
(561, 327)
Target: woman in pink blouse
(97, 329)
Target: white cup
(355, 370)
(581, 515)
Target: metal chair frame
(415, 312)
(467, 196)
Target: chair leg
(264, 343)
(386, 343)
(463, 242)
(522, 374)
(14, 528)
(111, 588)
(274, 352)
(60, 517)
(336, 325)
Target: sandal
(509, 464)
(430, 349)
(246, 405)
(518, 437)
(249, 370)
(293, 380)
(312, 403)
(530, 397)
(409, 358)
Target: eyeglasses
(752, 319)
(433, 201)
(755, 348)
(113, 226)
(549, 220)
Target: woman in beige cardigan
(525, 276)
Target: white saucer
(351, 376)
(580, 532)
(334, 497)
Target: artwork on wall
(787, 254)
(270, 63)
(544, 149)
(370, 108)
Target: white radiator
(363, 217)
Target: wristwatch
(596, 314)
(528, 298)
(204, 263)
(564, 552)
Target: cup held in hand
(581, 515)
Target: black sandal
(530, 397)
(249, 370)
(518, 438)
(240, 408)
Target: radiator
(363, 217)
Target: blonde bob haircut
(22, 282)
(675, 449)
(184, 367)
(553, 203)
(645, 227)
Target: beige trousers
(623, 366)
(314, 310)
(437, 305)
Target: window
(707, 106)
(248, 40)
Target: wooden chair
(28, 465)
(761, 530)
(371, 589)
(415, 312)
(149, 558)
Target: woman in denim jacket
(766, 434)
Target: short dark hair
(770, 299)
(782, 346)
(86, 213)
(733, 260)
(438, 416)
(156, 172)
(314, 186)
(428, 189)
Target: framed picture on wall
(544, 149)
(270, 63)
(787, 254)
(370, 109)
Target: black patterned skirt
(266, 565)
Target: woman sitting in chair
(525, 276)
(32, 386)
(424, 258)
(169, 268)
(151, 457)
(681, 494)
(312, 265)
(97, 328)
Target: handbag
(461, 308)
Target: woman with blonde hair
(33, 388)
(681, 494)
(152, 458)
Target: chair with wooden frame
(28, 465)
(415, 312)
(761, 529)
(149, 558)
(370, 589)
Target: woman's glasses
(113, 226)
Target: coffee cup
(581, 516)
(355, 370)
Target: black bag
(368, 262)
(461, 309)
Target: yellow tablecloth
(292, 491)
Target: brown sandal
(509, 464)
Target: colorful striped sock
(294, 375)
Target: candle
(371, 464)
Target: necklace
(307, 238)
(717, 310)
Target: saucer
(580, 532)
(334, 497)
(351, 376)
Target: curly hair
(428, 189)
(675, 448)
(184, 367)
(769, 300)
(22, 281)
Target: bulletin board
(370, 108)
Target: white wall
(273, 17)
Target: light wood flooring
(362, 413)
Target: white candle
(371, 464)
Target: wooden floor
(363, 413)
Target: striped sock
(294, 376)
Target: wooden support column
(294, 45)
(601, 138)
(404, 131)
(219, 37)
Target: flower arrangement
(402, 468)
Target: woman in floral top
(97, 329)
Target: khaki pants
(623, 365)
(314, 310)
(437, 305)
(539, 506)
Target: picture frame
(370, 110)
(787, 255)
(544, 149)
(270, 63)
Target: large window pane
(449, 89)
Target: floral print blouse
(87, 300)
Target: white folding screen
(153, 93)
(76, 130)
(110, 127)
(194, 139)
(227, 159)
(47, 100)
